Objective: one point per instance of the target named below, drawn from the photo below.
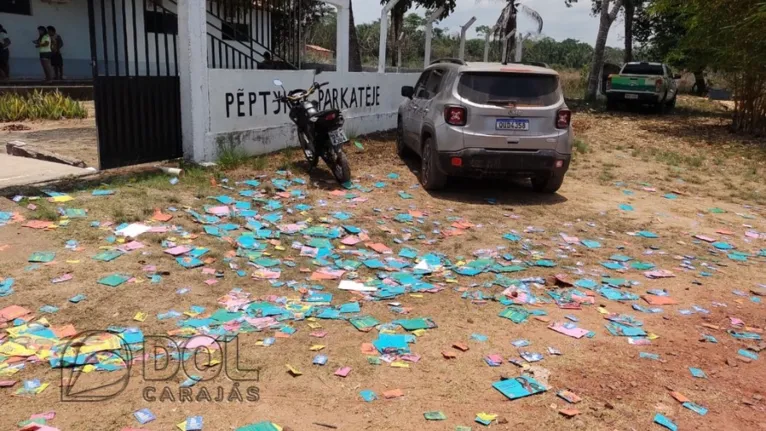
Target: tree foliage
(728, 36)
(567, 54)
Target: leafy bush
(39, 106)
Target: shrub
(39, 106)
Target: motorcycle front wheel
(307, 147)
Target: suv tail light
(658, 85)
(455, 115)
(563, 118)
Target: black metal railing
(240, 33)
(136, 88)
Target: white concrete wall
(244, 112)
(71, 21)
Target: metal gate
(135, 81)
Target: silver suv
(487, 119)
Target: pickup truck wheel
(661, 106)
(430, 176)
(548, 183)
(611, 105)
(671, 104)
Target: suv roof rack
(449, 60)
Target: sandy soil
(624, 158)
(76, 139)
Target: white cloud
(560, 22)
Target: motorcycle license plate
(338, 137)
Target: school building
(144, 34)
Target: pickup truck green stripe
(634, 84)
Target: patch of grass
(258, 163)
(669, 157)
(581, 146)
(606, 175)
(39, 106)
(121, 216)
(45, 211)
(230, 157)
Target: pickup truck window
(642, 69)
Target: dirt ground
(682, 175)
(77, 139)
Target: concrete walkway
(20, 171)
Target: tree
(507, 22)
(607, 18)
(354, 56)
(397, 18)
(728, 36)
(632, 7)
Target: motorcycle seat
(322, 114)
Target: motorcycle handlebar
(310, 91)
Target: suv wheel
(401, 147)
(430, 176)
(547, 184)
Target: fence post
(486, 42)
(384, 35)
(433, 16)
(341, 34)
(192, 61)
(463, 30)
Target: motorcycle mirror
(317, 71)
(277, 82)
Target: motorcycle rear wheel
(338, 163)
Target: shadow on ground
(487, 191)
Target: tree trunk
(510, 26)
(699, 81)
(607, 18)
(354, 56)
(630, 13)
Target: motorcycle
(320, 133)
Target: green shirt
(43, 49)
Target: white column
(399, 51)
(464, 29)
(384, 35)
(192, 66)
(429, 33)
(341, 34)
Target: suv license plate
(508, 124)
(338, 137)
(631, 96)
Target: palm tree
(507, 22)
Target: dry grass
(603, 369)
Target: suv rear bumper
(478, 162)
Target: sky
(560, 22)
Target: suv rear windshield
(503, 88)
(642, 69)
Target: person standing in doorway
(43, 45)
(57, 61)
(5, 55)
